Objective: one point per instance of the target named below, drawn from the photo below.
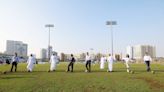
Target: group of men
(110, 59)
(54, 60)
(147, 59)
(30, 62)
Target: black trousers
(148, 65)
(70, 65)
(88, 65)
(14, 64)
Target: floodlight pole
(49, 26)
(111, 23)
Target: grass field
(97, 81)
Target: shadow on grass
(156, 70)
(154, 84)
(16, 77)
(82, 71)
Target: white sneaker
(86, 70)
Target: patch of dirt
(154, 84)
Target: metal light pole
(49, 26)
(111, 23)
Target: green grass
(97, 81)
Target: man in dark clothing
(88, 62)
(7, 61)
(71, 63)
(14, 62)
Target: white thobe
(30, 63)
(102, 62)
(110, 63)
(126, 62)
(54, 60)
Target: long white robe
(126, 62)
(30, 63)
(102, 62)
(54, 60)
(110, 63)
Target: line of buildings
(81, 56)
(44, 53)
(22, 49)
(16, 46)
(138, 51)
(135, 52)
(12, 47)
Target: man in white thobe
(127, 60)
(30, 63)
(54, 60)
(102, 62)
(110, 60)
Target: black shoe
(54, 70)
